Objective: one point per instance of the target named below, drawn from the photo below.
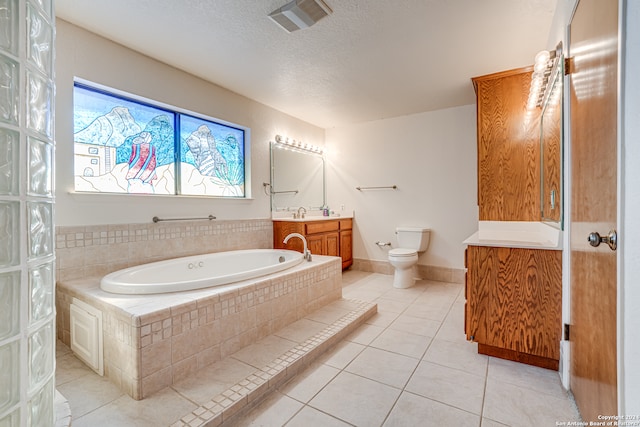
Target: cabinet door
(346, 244)
(333, 244)
(482, 273)
(508, 148)
(514, 299)
(466, 294)
(526, 303)
(282, 229)
(317, 244)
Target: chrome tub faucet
(305, 253)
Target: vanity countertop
(516, 234)
(288, 216)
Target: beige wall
(431, 157)
(85, 55)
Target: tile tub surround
(97, 250)
(152, 341)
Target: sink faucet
(306, 253)
(300, 215)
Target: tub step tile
(226, 407)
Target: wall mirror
(551, 147)
(297, 178)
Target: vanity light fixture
(292, 144)
(544, 68)
(543, 64)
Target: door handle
(610, 239)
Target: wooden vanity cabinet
(514, 303)
(323, 237)
(331, 237)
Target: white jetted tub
(199, 271)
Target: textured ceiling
(369, 60)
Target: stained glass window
(123, 145)
(211, 158)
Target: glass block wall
(27, 337)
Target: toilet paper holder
(383, 244)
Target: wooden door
(593, 90)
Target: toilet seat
(402, 252)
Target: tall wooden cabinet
(514, 303)
(508, 148)
(324, 237)
(513, 294)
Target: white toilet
(411, 240)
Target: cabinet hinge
(568, 66)
(566, 332)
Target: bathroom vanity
(325, 236)
(513, 291)
(298, 196)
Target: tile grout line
(484, 390)
(395, 402)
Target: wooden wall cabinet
(513, 308)
(324, 237)
(508, 148)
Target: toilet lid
(402, 252)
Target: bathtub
(199, 271)
(156, 340)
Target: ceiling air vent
(299, 14)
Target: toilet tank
(413, 238)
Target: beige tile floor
(409, 365)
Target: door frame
(628, 208)
(620, 213)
